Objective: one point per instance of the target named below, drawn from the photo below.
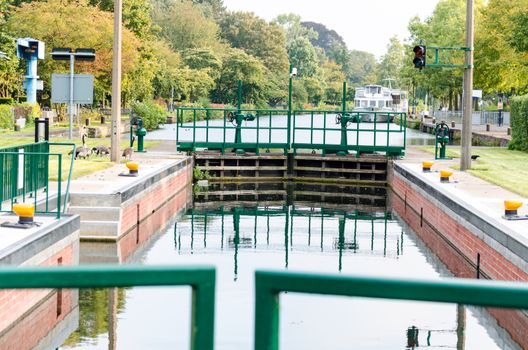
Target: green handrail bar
(269, 284)
(200, 278)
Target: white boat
(377, 98)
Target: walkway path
(479, 194)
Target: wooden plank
(242, 168)
(339, 170)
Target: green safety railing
(25, 173)
(200, 279)
(216, 129)
(269, 284)
(341, 132)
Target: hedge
(152, 114)
(6, 117)
(519, 123)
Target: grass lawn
(500, 166)
(81, 166)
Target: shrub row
(519, 123)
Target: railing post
(266, 315)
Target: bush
(27, 110)
(6, 117)
(519, 123)
(6, 100)
(152, 114)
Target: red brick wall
(153, 199)
(131, 241)
(455, 246)
(36, 324)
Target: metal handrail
(269, 284)
(200, 278)
(36, 173)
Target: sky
(365, 25)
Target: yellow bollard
(445, 175)
(133, 168)
(426, 166)
(25, 212)
(510, 207)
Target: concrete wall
(456, 234)
(28, 315)
(112, 216)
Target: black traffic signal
(419, 56)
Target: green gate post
(290, 96)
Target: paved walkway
(477, 193)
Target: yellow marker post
(25, 212)
(426, 166)
(445, 175)
(510, 207)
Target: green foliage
(263, 40)
(184, 26)
(199, 175)
(152, 114)
(6, 117)
(71, 24)
(519, 123)
(240, 66)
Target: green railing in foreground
(200, 278)
(25, 171)
(270, 284)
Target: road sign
(499, 105)
(82, 88)
(477, 93)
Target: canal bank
(39, 318)
(112, 206)
(461, 221)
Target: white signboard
(82, 88)
(477, 93)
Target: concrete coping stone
(108, 182)
(19, 245)
(476, 201)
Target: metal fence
(361, 132)
(217, 129)
(25, 172)
(324, 131)
(478, 118)
(269, 284)
(200, 279)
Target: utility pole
(116, 84)
(465, 154)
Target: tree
(303, 56)
(501, 47)
(392, 62)
(71, 24)
(326, 38)
(265, 41)
(184, 26)
(334, 77)
(238, 65)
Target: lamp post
(116, 82)
(67, 54)
(293, 73)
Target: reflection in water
(200, 221)
(439, 338)
(327, 228)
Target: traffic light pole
(465, 154)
